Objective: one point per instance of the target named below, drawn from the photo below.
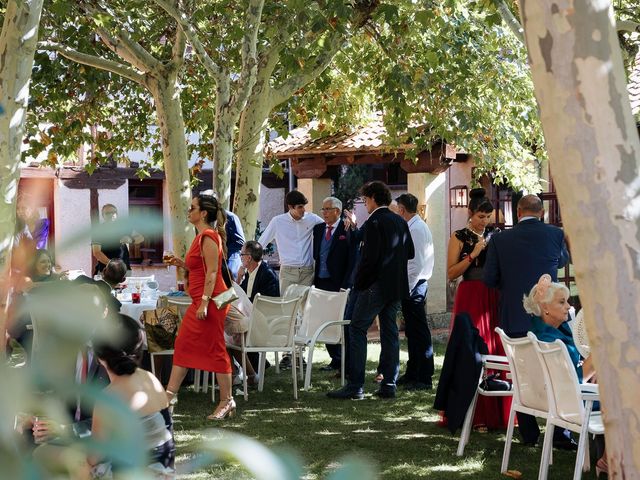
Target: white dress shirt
(252, 278)
(294, 238)
(420, 267)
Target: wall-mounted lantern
(459, 196)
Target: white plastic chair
(529, 391)
(489, 362)
(296, 290)
(271, 329)
(570, 404)
(322, 321)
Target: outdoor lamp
(459, 196)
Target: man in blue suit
(333, 256)
(516, 259)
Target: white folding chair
(296, 290)
(529, 392)
(489, 362)
(570, 404)
(271, 329)
(322, 321)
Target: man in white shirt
(293, 233)
(419, 269)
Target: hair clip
(541, 287)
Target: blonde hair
(532, 302)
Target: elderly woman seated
(548, 303)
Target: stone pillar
(316, 190)
(432, 203)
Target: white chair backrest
(563, 388)
(524, 363)
(297, 291)
(321, 307)
(272, 322)
(181, 304)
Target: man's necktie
(327, 235)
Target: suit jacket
(105, 289)
(266, 282)
(386, 249)
(515, 261)
(340, 258)
(460, 371)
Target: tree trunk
(166, 95)
(17, 47)
(594, 155)
(250, 158)
(223, 144)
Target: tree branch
(122, 44)
(249, 61)
(296, 82)
(194, 39)
(510, 19)
(627, 26)
(93, 61)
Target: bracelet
(470, 258)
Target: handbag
(161, 327)
(229, 295)
(492, 383)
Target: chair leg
(301, 363)
(294, 373)
(582, 444)
(307, 376)
(507, 441)
(466, 426)
(244, 371)
(153, 364)
(205, 381)
(277, 361)
(261, 368)
(196, 380)
(547, 446)
(213, 387)
(342, 361)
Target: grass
(399, 437)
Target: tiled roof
(368, 138)
(634, 87)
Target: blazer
(516, 259)
(340, 258)
(266, 282)
(386, 249)
(460, 371)
(112, 302)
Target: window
(145, 197)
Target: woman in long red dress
(200, 342)
(465, 257)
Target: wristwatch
(206, 298)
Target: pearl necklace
(479, 235)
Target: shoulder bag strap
(224, 268)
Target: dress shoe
(565, 444)
(385, 393)
(411, 386)
(328, 368)
(346, 393)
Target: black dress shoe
(410, 386)
(385, 393)
(346, 393)
(568, 444)
(328, 368)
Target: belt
(292, 267)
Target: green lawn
(400, 437)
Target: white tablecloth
(134, 310)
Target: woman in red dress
(465, 257)
(200, 342)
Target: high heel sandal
(602, 467)
(229, 410)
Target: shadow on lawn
(400, 437)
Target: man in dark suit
(259, 277)
(515, 261)
(113, 274)
(333, 255)
(381, 282)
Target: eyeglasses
(244, 254)
(329, 209)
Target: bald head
(530, 206)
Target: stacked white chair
(570, 404)
(322, 321)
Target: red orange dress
(481, 303)
(200, 343)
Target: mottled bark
(17, 48)
(166, 95)
(594, 155)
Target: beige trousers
(291, 275)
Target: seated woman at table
(548, 304)
(141, 391)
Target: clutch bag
(225, 298)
